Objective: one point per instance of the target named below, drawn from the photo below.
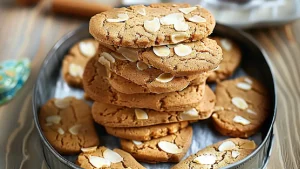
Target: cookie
(218, 155)
(154, 80)
(116, 116)
(97, 87)
(242, 106)
(171, 148)
(103, 157)
(75, 61)
(232, 56)
(68, 125)
(145, 26)
(148, 132)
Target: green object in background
(13, 75)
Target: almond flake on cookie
(142, 11)
(235, 154)
(152, 25)
(75, 70)
(89, 149)
(179, 37)
(248, 80)
(182, 50)
(62, 103)
(169, 147)
(206, 159)
(191, 114)
(53, 119)
(121, 18)
(227, 145)
(141, 65)
(141, 114)
(241, 120)
(99, 162)
(197, 19)
(172, 19)
(181, 26)
(112, 156)
(243, 85)
(165, 77)
(251, 111)
(239, 103)
(87, 49)
(226, 44)
(60, 131)
(74, 130)
(161, 51)
(129, 54)
(137, 142)
(187, 10)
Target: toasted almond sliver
(129, 54)
(239, 103)
(191, 114)
(108, 57)
(121, 18)
(137, 142)
(243, 85)
(89, 149)
(152, 25)
(53, 119)
(251, 111)
(165, 77)
(227, 145)
(141, 114)
(179, 37)
(99, 162)
(248, 80)
(169, 147)
(226, 44)
(62, 103)
(88, 49)
(235, 154)
(241, 120)
(181, 26)
(142, 11)
(206, 159)
(75, 70)
(217, 68)
(118, 56)
(61, 131)
(112, 156)
(74, 130)
(248, 145)
(141, 65)
(172, 19)
(182, 50)
(187, 10)
(197, 19)
(161, 51)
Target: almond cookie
(154, 80)
(145, 26)
(75, 61)
(242, 107)
(171, 148)
(116, 116)
(102, 157)
(68, 125)
(232, 56)
(218, 155)
(148, 132)
(97, 87)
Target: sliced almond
(74, 130)
(239, 103)
(248, 80)
(62, 103)
(112, 156)
(152, 25)
(141, 114)
(248, 145)
(53, 119)
(169, 147)
(243, 85)
(172, 19)
(165, 77)
(108, 57)
(191, 114)
(137, 142)
(75, 70)
(161, 51)
(141, 65)
(187, 10)
(129, 54)
(235, 154)
(142, 11)
(179, 37)
(99, 162)
(121, 18)
(89, 149)
(181, 26)
(241, 120)
(102, 60)
(226, 44)
(61, 131)
(118, 56)
(206, 159)
(217, 68)
(88, 49)
(251, 111)
(218, 108)
(183, 50)
(227, 145)
(197, 19)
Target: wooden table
(31, 32)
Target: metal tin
(255, 62)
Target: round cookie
(75, 61)
(171, 148)
(148, 132)
(242, 107)
(218, 155)
(145, 26)
(232, 56)
(68, 125)
(110, 115)
(103, 157)
(97, 87)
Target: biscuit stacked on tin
(148, 80)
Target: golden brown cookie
(146, 133)
(102, 157)
(68, 125)
(170, 148)
(116, 116)
(75, 61)
(232, 56)
(218, 155)
(145, 26)
(97, 87)
(242, 107)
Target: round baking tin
(255, 62)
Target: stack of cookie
(148, 80)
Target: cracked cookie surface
(97, 87)
(131, 32)
(214, 156)
(116, 116)
(68, 128)
(242, 106)
(128, 161)
(232, 56)
(150, 151)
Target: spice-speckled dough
(242, 122)
(232, 56)
(150, 152)
(76, 112)
(115, 116)
(146, 133)
(127, 162)
(77, 58)
(97, 87)
(217, 159)
(132, 33)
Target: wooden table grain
(31, 32)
